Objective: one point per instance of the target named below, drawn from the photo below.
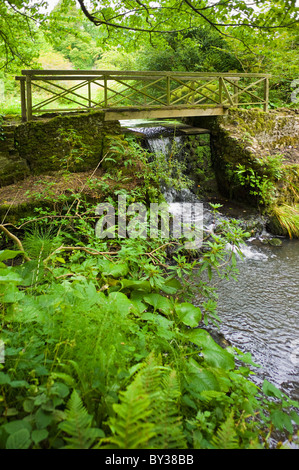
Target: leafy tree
(18, 32)
(138, 22)
(200, 49)
(73, 35)
(168, 16)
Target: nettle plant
(105, 349)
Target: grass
(288, 218)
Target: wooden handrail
(123, 89)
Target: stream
(258, 311)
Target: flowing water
(259, 311)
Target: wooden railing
(74, 90)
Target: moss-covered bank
(256, 158)
(52, 143)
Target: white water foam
(248, 252)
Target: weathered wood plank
(147, 113)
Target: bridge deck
(116, 114)
(129, 94)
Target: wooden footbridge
(134, 95)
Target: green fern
(132, 427)
(226, 437)
(168, 424)
(77, 425)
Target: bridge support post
(23, 99)
(29, 97)
(266, 94)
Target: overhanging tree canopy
(177, 15)
(140, 20)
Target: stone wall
(12, 166)
(250, 138)
(52, 143)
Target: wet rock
(275, 242)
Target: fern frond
(226, 437)
(168, 423)
(77, 426)
(132, 427)
(147, 415)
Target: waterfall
(163, 139)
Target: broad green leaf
(171, 286)
(10, 293)
(31, 272)
(109, 268)
(8, 275)
(281, 420)
(188, 314)
(136, 298)
(9, 254)
(43, 419)
(19, 383)
(119, 302)
(270, 390)
(159, 302)
(60, 389)
(17, 425)
(163, 325)
(39, 435)
(19, 440)
(295, 417)
(201, 379)
(28, 405)
(4, 378)
(136, 285)
(212, 352)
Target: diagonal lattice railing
(79, 90)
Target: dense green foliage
(104, 348)
(195, 36)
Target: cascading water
(259, 311)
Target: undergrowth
(102, 346)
